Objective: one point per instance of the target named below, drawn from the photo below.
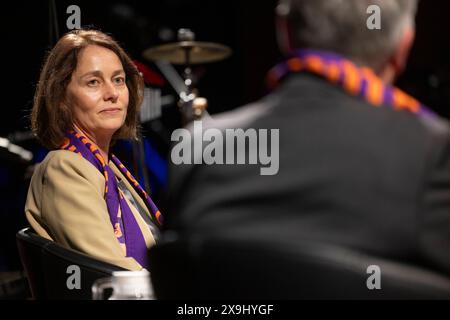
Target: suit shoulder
(59, 158)
(69, 163)
(435, 124)
(241, 117)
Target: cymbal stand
(191, 106)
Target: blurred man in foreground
(361, 163)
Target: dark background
(247, 26)
(248, 30)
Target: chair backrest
(51, 268)
(217, 267)
(30, 247)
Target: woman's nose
(111, 92)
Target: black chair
(220, 267)
(46, 265)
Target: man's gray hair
(341, 26)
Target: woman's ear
(64, 107)
(66, 100)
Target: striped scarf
(124, 223)
(357, 81)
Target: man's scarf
(356, 81)
(131, 235)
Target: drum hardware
(188, 52)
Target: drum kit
(188, 52)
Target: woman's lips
(111, 110)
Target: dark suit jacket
(351, 174)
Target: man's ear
(284, 34)
(400, 56)
(283, 28)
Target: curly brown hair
(50, 117)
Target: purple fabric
(134, 239)
(154, 211)
(282, 70)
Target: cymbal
(199, 52)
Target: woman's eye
(119, 80)
(93, 82)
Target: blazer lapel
(133, 192)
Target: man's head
(341, 26)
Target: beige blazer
(65, 203)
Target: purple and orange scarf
(125, 225)
(357, 81)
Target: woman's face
(97, 92)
